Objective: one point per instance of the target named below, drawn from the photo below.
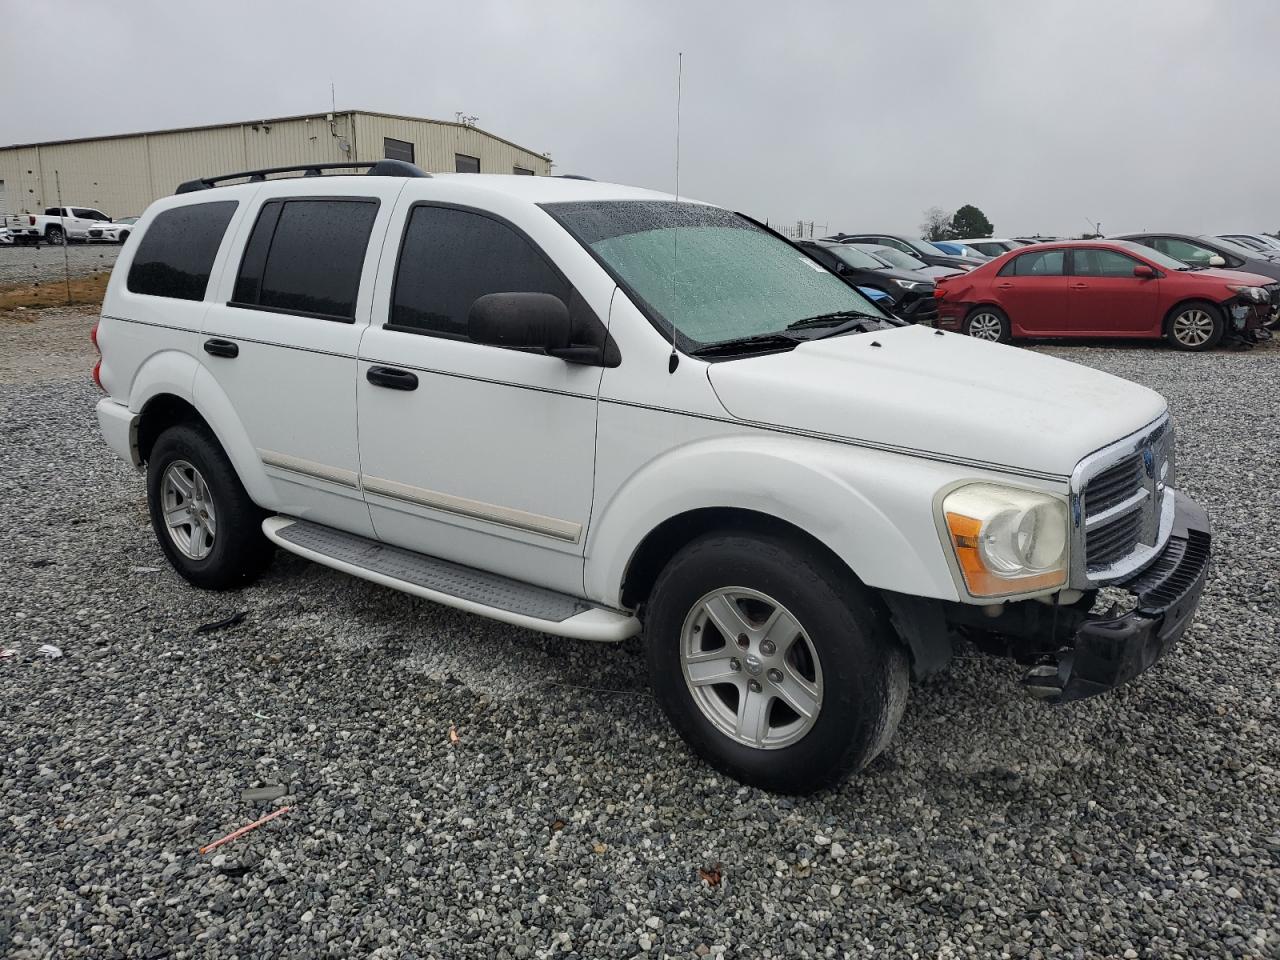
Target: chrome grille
(1122, 501)
(1113, 485)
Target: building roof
(268, 120)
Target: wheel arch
(173, 388)
(1186, 302)
(860, 507)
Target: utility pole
(66, 241)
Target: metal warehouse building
(120, 175)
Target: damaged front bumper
(1073, 653)
(1108, 652)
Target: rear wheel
(775, 665)
(988, 323)
(1196, 326)
(209, 529)
(53, 235)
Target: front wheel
(988, 323)
(772, 662)
(1196, 326)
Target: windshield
(1230, 246)
(710, 274)
(896, 258)
(851, 255)
(922, 246)
(1162, 260)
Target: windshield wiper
(742, 345)
(841, 321)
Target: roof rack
(377, 168)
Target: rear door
(281, 339)
(1107, 299)
(1032, 290)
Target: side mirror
(536, 321)
(1143, 272)
(1217, 261)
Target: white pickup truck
(59, 224)
(597, 411)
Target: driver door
(478, 454)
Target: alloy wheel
(751, 668)
(1193, 328)
(986, 326)
(188, 510)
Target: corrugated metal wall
(121, 175)
(435, 145)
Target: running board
(451, 584)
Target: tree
(937, 225)
(969, 221)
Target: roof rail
(376, 168)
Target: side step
(451, 584)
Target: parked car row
(58, 225)
(1194, 291)
(1107, 288)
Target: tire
(988, 323)
(123, 237)
(221, 546)
(842, 648)
(54, 237)
(1195, 326)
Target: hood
(950, 395)
(935, 272)
(897, 273)
(1251, 274)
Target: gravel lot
(20, 263)
(566, 820)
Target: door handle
(221, 348)
(1079, 286)
(1004, 286)
(392, 378)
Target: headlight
(1256, 294)
(1006, 541)
(912, 284)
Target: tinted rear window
(306, 256)
(177, 251)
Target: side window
(1102, 263)
(521, 171)
(451, 257)
(896, 244)
(1183, 250)
(52, 211)
(394, 149)
(306, 256)
(465, 164)
(178, 249)
(1042, 263)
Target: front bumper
(1108, 652)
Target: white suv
(592, 410)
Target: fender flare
(179, 374)
(822, 498)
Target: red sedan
(1103, 288)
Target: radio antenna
(674, 360)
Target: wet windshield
(711, 274)
(896, 258)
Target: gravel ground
(566, 819)
(20, 263)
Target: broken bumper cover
(1110, 652)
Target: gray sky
(1145, 113)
